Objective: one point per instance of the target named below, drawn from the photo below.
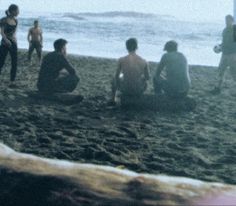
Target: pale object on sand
(79, 184)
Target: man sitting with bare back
(35, 39)
(132, 73)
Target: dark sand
(199, 144)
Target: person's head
(60, 46)
(13, 10)
(132, 45)
(36, 23)
(229, 20)
(171, 46)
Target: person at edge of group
(56, 74)
(228, 58)
(35, 39)
(176, 83)
(8, 26)
(132, 73)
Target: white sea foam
(103, 34)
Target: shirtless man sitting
(35, 39)
(132, 73)
(56, 74)
(177, 82)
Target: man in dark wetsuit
(8, 26)
(177, 82)
(56, 74)
(35, 39)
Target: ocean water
(103, 33)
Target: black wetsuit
(9, 31)
(49, 80)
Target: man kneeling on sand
(177, 82)
(132, 73)
(56, 74)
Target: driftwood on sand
(31, 180)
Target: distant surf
(103, 34)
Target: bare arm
(29, 35)
(41, 37)
(2, 24)
(118, 71)
(68, 67)
(146, 72)
(160, 67)
(5, 37)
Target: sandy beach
(199, 144)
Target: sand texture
(199, 144)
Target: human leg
(13, 53)
(232, 65)
(3, 54)
(30, 51)
(222, 69)
(114, 87)
(66, 84)
(39, 50)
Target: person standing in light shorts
(228, 58)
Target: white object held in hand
(217, 49)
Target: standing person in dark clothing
(8, 27)
(228, 59)
(35, 39)
(56, 74)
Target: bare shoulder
(122, 59)
(40, 30)
(141, 59)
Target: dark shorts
(35, 45)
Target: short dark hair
(131, 44)
(11, 9)
(36, 21)
(171, 46)
(230, 17)
(59, 44)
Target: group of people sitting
(133, 73)
(57, 75)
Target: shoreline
(109, 58)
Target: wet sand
(199, 144)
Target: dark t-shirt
(177, 71)
(51, 66)
(228, 43)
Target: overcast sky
(202, 9)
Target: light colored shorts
(228, 61)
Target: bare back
(134, 68)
